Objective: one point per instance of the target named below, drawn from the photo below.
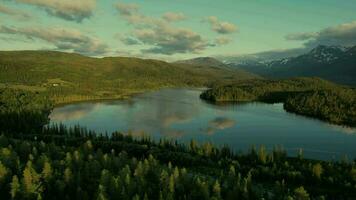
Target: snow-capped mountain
(330, 62)
(327, 54)
(319, 55)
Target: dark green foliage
(61, 163)
(307, 96)
(23, 110)
(264, 90)
(337, 106)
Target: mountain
(203, 61)
(261, 57)
(334, 63)
(212, 63)
(69, 76)
(321, 55)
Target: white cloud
(127, 9)
(222, 41)
(221, 27)
(343, 34)
(173, 17)
(15, 13)
(73, 10)
(301, 36)
(130, 40)
(62, 38)
(169, 40)
(159, 34)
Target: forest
(38, 161)
(313, 97)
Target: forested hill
(70, 77)
(312, 97)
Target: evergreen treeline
(307, 96)
(336, 106)
(23, 110)
(72, 163)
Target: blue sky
(174, 29)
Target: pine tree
(101, 193)
(171, 184)
(47, 171)
(105, 178)
(193, 146)
(217, 190)
(176, 173)
(301, 194)
(31, 181)
(317, 170)
(232, 172)
(207, 148)
(15, 187)
(353, 173)
(3, 173)
(67, 175)
(262, 156)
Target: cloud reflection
(161, 112)
(219, 123)
(222, 123)
(343, 129)
(72, 112)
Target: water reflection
(159, 112)
(72, 112)
(180, 114)
(222, 123)
(219, 123)
(343, 129)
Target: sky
(175, 29)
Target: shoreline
(284, 108)
(119, 97)
(125, 96)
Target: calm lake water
(182, 115)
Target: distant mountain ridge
(261, 57)
(203, 61)
(334, 63)
(210, 62)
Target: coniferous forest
(313, 97)
(38, 161)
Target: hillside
(71, 77)
(329, 62)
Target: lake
(180, 114)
